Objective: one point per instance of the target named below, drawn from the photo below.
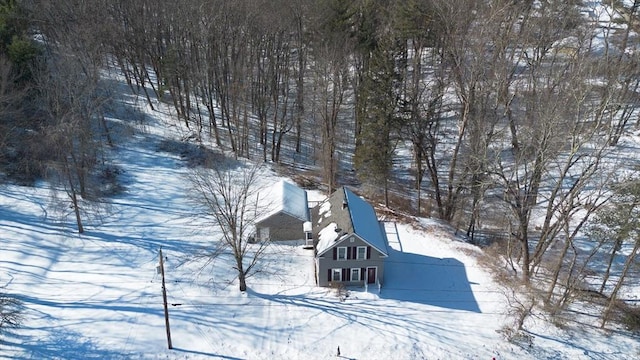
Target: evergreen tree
(18, 55)
(378, 95)
(15, 42)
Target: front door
(371, 275)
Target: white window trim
(334, 272)
(345, 253)
(358, 270)
(364, 256)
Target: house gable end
(344, 241)
(382, 253)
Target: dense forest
(511, 114)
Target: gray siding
(282, 226)
(326, 262)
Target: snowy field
(98, 295)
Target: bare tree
(73, 105)
(229, 195)
(422, 100)
(544, 168)
(300, 11)
(329, 87)
(455, 28)
(70, 97)
(621, 84)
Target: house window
(342, 253)
(336, 274)
(355, 274)
(362, 253)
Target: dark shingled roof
(348, 212)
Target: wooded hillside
(513, 112)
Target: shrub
(630, 317)
(10, 312)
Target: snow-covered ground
(98, 295)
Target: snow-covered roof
(324, 211)
(285, 197)
(326, 237)
(344, 213)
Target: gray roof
(342, 213)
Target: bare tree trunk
(76, 210)
(616, 247)
(558, 266)
(242, 280)
(231, 199)
(613, 298)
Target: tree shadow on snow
(380, 317)
(591, 350)
(57, 343)
(216, 356)
(62, 342)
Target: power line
(146, 305)
(204, 336)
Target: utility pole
(164, 299)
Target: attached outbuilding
(351, 245)
(284, 211)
